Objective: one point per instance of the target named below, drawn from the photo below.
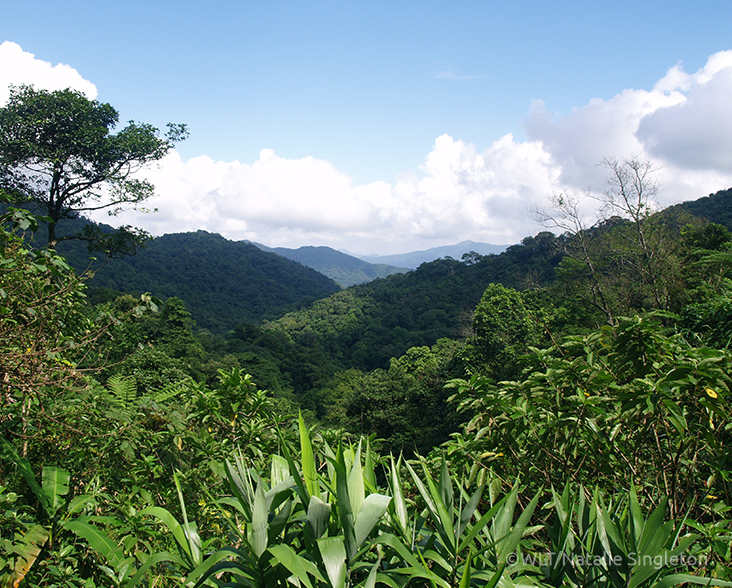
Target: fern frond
(123, 390)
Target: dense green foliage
(369, 324)
(223, 283)
(558, 415)
(714, 208)
(406, 405)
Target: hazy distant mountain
(345, 269)
(414, 259)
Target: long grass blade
(309, 472)
(98, 540)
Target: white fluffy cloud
(460, 194)
(695, 133)
(19, 67)
(683, 124)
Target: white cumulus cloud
(460, 194)
(696, 132)
(20, 67)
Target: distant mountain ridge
(346, 270)
(414, 259)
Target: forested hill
(716, 208)
(366, 325)
(223, 283)
(344, 269)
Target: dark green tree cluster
(405, 406)
(222, 283)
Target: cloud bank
(683, 125)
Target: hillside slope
(716, 208)
(366, 325)
(222, 282)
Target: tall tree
(57, 151)
(628, 260)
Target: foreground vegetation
(558, 415)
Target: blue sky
(384, 127)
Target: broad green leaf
(279, 522)
(465, 580)
(99, 541)
(279, 470)
(480, 524)
(150, 562)
(679, 579)
(55, 485)
(300, 567)
(371, 580)
(400, 506)
(502, 522)
(356, 490)
(239, 484)
(444, 510)
(8, 453)
(33, 541)
(496, 578)
(345, 513)
(193, 540)
(445, 482)
(511, 542)
(655, 532)
(646, 565)
(318, 515)
(467, 512)
(676, 416)
(636, 520)
(173, 526)
(302, 491)
(436, 558)
(258, 526)
(211, 565)
(77, 504)
(422, 490)
(372, 509)
(442, 519)
(603, 522)
(333, 552)
(369, 475)
(279, 493)
(415, 568)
